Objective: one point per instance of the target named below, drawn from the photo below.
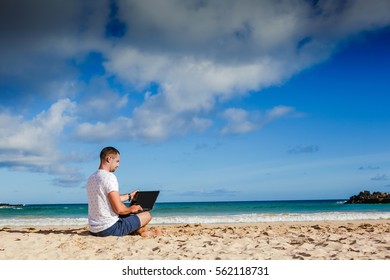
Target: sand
(357, 240)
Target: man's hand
(132, 194)
(135, 208)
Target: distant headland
(368, 198)
(7, 204)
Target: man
(105, 204)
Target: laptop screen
(145, 199)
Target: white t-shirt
(100, 213)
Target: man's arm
(124, 197)
(119, 207)
(128, 196)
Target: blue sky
(206, 100)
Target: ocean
(203, 212)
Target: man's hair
(108, 151)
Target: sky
(206, 100)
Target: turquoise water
(204, 212)
(262, 207)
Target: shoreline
(33, 221)
(314, 240)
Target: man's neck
(103, 167)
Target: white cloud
(279, 112)
(200, 53)
(237, 122)
(119, 129)
(37, 135)
(31, 145)
(189, 88)
(240, 121)
(146, 125)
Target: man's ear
(108, 159)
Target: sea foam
(216, 219)
(258, 218)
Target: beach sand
(357, 240)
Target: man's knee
(145, 218)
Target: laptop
(145, 199)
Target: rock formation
(367, 197)
(7, 204)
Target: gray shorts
(124, 226)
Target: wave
(258, 218)
(217, 219)
(44, 222)
(11, 207)
(341, 202)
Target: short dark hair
(108, 151)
